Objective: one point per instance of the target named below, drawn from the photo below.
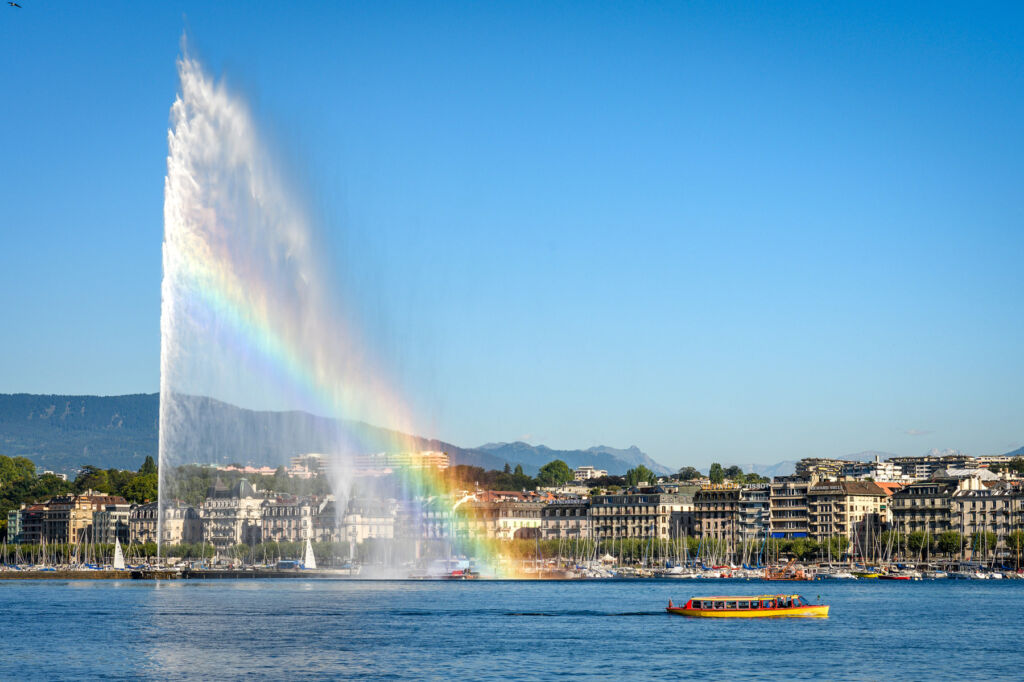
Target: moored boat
(757, 606)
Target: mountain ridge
(63, 432)
(598, 456)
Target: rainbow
(242, 296)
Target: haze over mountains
(601, 457)
(62, 432)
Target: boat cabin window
(719, 604)
(744, 605)
(730, 605)
(768, 604)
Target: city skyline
(747, 236)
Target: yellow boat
(759, 606)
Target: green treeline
(19, 484)
(190, 483)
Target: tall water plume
(247, 316)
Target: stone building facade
(287, 518)
(232, 515)
(182, 524)
(788, 506)
(567, 518)
(845, 508)
(643, 513)
(69, 518)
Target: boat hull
(817, 611)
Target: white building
(287, 518)
(181, 524)
(386, 462)
(368, 519)
(232, 515)
(876, 471)
(111, 523)
(587, 472)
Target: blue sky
(736, 233)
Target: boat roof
(749, 596)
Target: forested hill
(62, 433)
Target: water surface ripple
(500, 630)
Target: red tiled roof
(889, 486)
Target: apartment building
(642, 513)
(788, 510)
(69, 518)
(112, 524)
(566, 518)
(923, 507)
(716, 511)
(232, 514)
(845, 508)
(287, 518)
(182, 523)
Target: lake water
(500, 630)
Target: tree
(734, 473)
(14, 469)
(891, 540)
(1015, 544)
(950, 542)
(803, 549)
(47, 486)
(554, 473)
(640, 474)
(142, 488)
(716, 474)
(465, 474)
(519, 470)
(917, 541)
(983, 541)
(148, 467)
(1016, 465)
(688, 474)
(507, 469)
(93, 478)
(836, 547)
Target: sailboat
(118, 555)
(309, 561)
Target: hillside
(61, 433)
(615, 461)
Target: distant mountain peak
(948, 452)
(63, 432)
(869, 455)
(615, 461)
